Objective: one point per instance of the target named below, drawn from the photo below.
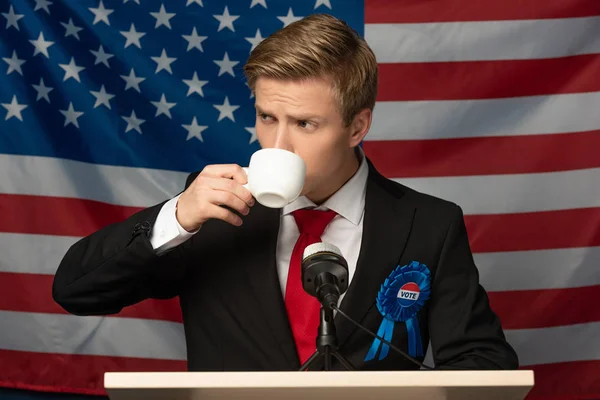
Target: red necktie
(303, 309)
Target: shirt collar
(348, 201)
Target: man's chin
(306, 192)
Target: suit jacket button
(141, 227)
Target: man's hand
(216, 186)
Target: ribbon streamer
(415, 346)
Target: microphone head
(324, 270)
(320, 247)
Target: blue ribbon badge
(400, 298)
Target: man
(235, 264)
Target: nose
(282, 138)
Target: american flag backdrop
(106, 105)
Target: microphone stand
(327, 344)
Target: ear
(360, 126)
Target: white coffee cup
(275, 177)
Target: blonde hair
(320, 46)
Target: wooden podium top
(320, 385)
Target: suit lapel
(260, 266)
(386, 227)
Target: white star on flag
(162, 17)
(195, 85)
(12, 19)
(42, 4)
(71, 115)
(253, 138)
(133, 122)
(261, 2)
(163, 62)
(226, 110)
(325, 3)
(195, 130)
(255, 40)
(251, 94)
(101, 56)
(199, 2)
(195, 41)
(101, 14)
(41, 45)
(14, 109)
(162, 107)
(289, 18)
(133, 37)
(42, 91)
(102, 98)
(71, 70)
(127, 1)
(226, 20)
(132, 81)
(71, 29)
(226, 65)
(14, 63)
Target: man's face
(302, 117)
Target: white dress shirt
(344, 231)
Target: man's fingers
(229, 199)
(217, 192)
(231, 186)
(231, 171)
(226, 215)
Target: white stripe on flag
(533, 115)
(539, 269)
(106, 336)
(69, 334)
(484, 40)
(500, 194)
(511, 270)
(493, 194)
(33, 254)
(125, 186)
(567, 343)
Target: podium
(320, 385)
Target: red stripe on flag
(546, 308)
(411, 11)
(485, 155)
(57, 215)
(535, 230)
(38, 299)
(83, 374)
(565, 381)
(487, 233)
(488, 79)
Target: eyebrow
(301, 117)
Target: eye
(264, 117)
(304, 124)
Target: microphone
(325, 276)
(324, 273)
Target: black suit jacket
(233, 309)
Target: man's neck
(344, 174)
